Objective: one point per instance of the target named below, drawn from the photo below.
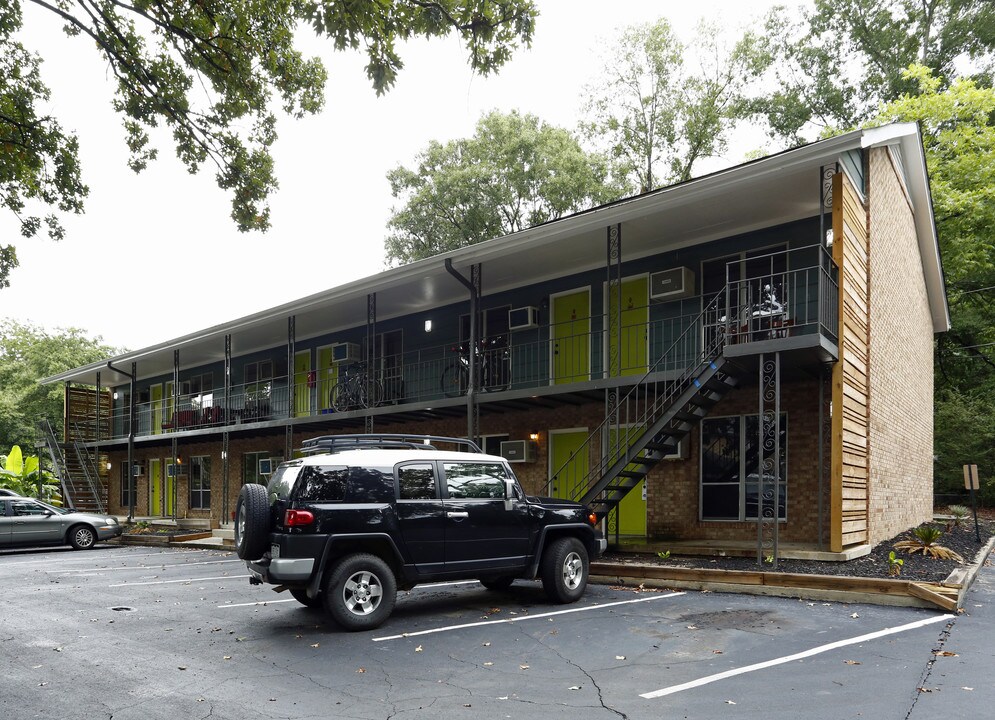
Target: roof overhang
(762, 193)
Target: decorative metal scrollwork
(768, 460)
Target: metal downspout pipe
(471, 391)
(132, 485)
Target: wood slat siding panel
(81, 413)
(851, 415)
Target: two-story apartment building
(746, 356)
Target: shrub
(925, 537)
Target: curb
(947, 595)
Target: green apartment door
(155, 487)
(303, 382)
(562, 444)
(570, 337)
(632, 509)
(632, 355)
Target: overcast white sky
(156, 255)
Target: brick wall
(901, 362)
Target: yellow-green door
(567, 480)
(156, 395)
(571, 332)
(630, 355)
(632, 510)
(328, 375)
(155, 487)
(170, 492)
(303, 382)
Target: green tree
(958, 127)
(28, 354)
(843, 58)
(514, 173)
(24, 475)
(214, 72)
(662, 106)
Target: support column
(613, 320)
(473, 407)
(769, 458)
(371, 356)
(291, 370)
(225, 466)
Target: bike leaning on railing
(356, 389)
(494, 370)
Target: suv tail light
(298, 518)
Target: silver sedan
(26, 521)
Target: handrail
(711, 346)
(85, 461)
(58, 460)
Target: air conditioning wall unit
(137, 470)
(681, 453)
(518, 451)
(674, 284)
(345, 353)
(266, 466)
(523, 318)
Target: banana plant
(24, 475)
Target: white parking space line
(87, 557)
(150, 566)
(181, 580)
(261, 602)
(520, 618)
(792, 658)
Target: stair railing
(58, 462)
(649, 397)
(88, 464)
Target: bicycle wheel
(341, 397)
(454, 380)
(373, 393)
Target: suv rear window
(282, 483)
(322, 483)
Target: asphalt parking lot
(140, 633)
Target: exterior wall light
(428, 326)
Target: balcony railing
(798, 301)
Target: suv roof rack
(384, 441)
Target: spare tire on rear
(252, 522)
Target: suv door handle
(457, 514)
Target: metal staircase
(78, 473)
(649, 421)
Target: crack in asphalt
(927, 671)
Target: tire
(340, 397)
(360, 592)
(300, 595)
(82, 537)
(454, 380)
(564, 570)
(251, 522)
(498, 584)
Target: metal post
(291, 370)
(371, 356)
(473, 285)
(225, 486)
(769, 459)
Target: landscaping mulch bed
(916, 567)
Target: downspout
(471, 391)
(132, 485)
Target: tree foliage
(958, 125)
(514, 173)
(215, 73)
(842, 59)
(662, 106)
(28, 354)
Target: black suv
(362, 516)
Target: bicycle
(494, 369)
(356, 390)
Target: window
(199, 388)
(730, 487)
(323, 484)
(491, 444)
(200, 482)
(475, 480)
(416, 482)
(28, 507)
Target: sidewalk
(961, 681)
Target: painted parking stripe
(150, 566)
(520, 618)
(76, 557)
(260, 602)
(182, 580)
(792, 658)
